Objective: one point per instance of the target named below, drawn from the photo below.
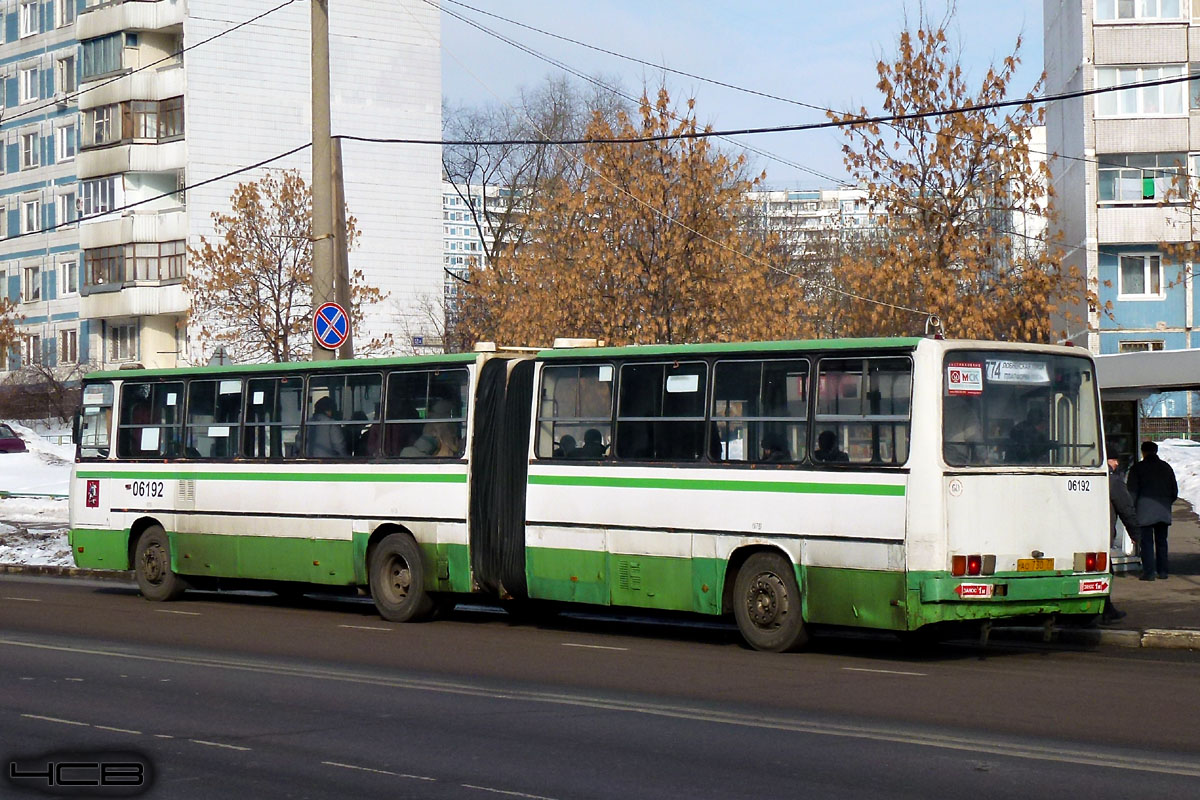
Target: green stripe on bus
(787, 487)
(322, 477)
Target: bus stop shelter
(1125, 379)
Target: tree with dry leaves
(953, 189)
(251, 288)
(643, 244)
(10, 337)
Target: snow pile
(1184, 458)
(33, 530)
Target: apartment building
(1118, 154)
(172, 95)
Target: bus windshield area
(1006, 408)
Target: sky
(823, 54)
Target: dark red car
(10, 442)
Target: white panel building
(153, 121)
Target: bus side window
(660, 413)
(760, 410)
(95, 429)
(150, 420)
(425, 414)
(272, 424)
(863, 411)
(214, 412)
(575, 412)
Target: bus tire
(152, 566)
(766, 604)
(398, 580)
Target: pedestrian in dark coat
(1154, 490)
(1120, 504)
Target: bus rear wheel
(766, 604)
(152, 566)
(398, 580)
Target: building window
(69, 273)
(1121, 10)
(122, 342)
(103, 265)
(64, 12)
(99, 126)
(28, 15)
(100, 56)
(31, 290)
(68, 208)
(29, 150)
(69, 342)
(27, 82)
(33, 349)
(66, 142)
(1139, 101)
(1140, 347)
(31, 216)
(142, 261)
(1141, 277)
(98, 195)
(65, 77)
(1139, 177)
(170, 118)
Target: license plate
(1035, 564)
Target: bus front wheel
(152, 566)
(767, 604)
(398, 580)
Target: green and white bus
(891, 484)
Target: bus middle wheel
(397, 576)
(766, 604)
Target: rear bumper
(940, 597)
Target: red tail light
(958, 565)
(1101, 562)
(974, 565)
(1089, 562)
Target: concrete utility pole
(322, 171)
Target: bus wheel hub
(766, 600)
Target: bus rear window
(1003, 408)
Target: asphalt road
(252, 696)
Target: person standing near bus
(1120, 505)
(1152, 484)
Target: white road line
(172, 611)
(163, 736)
(24, 599)
(590, 647)
(217, 744)
(74, 680)
(56, 719)
(378, 771)
(118, 730)
(502, 791)
(365, 627)
(886, 671)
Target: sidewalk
(1171, 606)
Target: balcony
(158, 83)
(1142, 135)
(140, 15)
(134, 227)
(134, 301)
(166, 157)
(1142, 224)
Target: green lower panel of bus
(324, 561)
(937, 597)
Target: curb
(1160, 638)
(66, 572)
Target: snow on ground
(33, 530)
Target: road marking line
(24, 599)
(218, 744)
(589, 647)
(365, 627)
(502, 791)
(1078, 755)
(378, 771)
(886, 671)
(118, 730)
(74, 680)
(56, 719)
(171, 611)
(163, 736)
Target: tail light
(958, 565)
(972, 565)
(1091, 562)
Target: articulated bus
(894, 484)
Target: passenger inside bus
(827, 448)
(325, 437)
(593, 444)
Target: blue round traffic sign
(331, 326)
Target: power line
(172, 57)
